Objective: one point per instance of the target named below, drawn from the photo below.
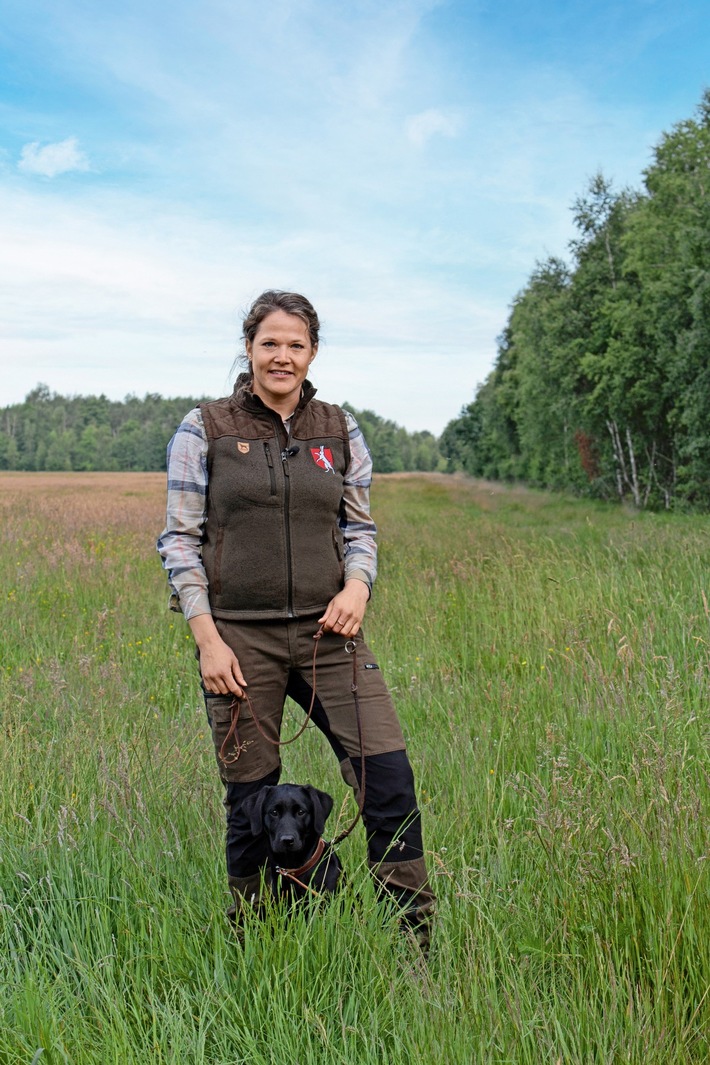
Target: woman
(268, 538)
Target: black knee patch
(246, 853)
(391, 816)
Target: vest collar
(242, 396)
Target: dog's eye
(300, 813)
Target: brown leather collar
(313, 860)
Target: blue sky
(403, 163)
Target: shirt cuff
(190, 605)
(360, 575)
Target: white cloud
(106, 294)
(52, 159)
(420, 128)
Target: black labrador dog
(292, 817)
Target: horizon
(71, 396)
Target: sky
(403, 163)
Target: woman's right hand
(219, 666)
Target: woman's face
(280, 355)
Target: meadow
(550, 661)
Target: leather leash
(235, 708)
(351, 649)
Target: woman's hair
(275, 300)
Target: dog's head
(293, 816)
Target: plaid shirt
(180, 543)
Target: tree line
(53, 432)
(601, 384)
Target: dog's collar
(313, 860)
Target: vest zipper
(287, 520)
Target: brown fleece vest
(272, 546)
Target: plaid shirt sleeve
(359, 530)
(180, 543)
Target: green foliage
(395, 449)
(602, 380)
(92, 433)
(88, 433)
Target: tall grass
(550, 663)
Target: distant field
(550, 660)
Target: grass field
(550, 660)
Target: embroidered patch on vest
(323, 457)
(243, 449)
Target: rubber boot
(408, 884)
(246, 895)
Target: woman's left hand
(346, 610)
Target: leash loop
(235, 709)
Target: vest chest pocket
(270, 464)
(249, 478)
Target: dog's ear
(322, 805)
(253, 807)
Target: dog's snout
(287, 842)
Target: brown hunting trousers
(276, 658)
